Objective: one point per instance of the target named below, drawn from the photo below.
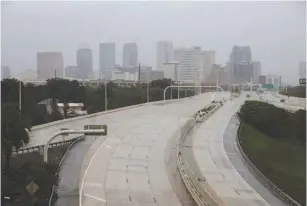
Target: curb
(192, 183)
(60, 164)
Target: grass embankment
(283, 161)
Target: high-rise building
(256, 67)
(208, 59)
(241, 54)
(84, 63)
(165, 53)
(50, 65)
(171, 70)
(130, 55)
(241, 67)
(106, 56)
(190, 64)
(302, 70)
(5, 72)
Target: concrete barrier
(197, 190)
(262, 178)
(54, 123)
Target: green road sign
(267, 86)
(93, 127)
(302, 81)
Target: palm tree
(13, 131)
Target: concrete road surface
(134, 165)
(214, 164)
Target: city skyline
(277, 41)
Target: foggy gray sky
(276, 31)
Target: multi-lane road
(134, 163)
(131, 167)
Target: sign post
(302, 81)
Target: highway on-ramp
(220, 164)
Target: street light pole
(147, 92)
(20, 96)
(105, 95)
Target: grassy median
(283, 161)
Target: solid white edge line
(94, 197)
(86, 171)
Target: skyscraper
(130, 55)
(106, 56)
(84, 63)
(302, 70)
(189, 63)
(50, 65)
(165, 53)
(241, 54)
(5, 72)
(240, 65)
(208, 59)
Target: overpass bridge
(132, 165)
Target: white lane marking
(107, 146)
(92, 184)
(94, 197)
(86, 171)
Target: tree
(13, 133)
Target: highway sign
(32, 188)
(63, 129)
(302, 81)
(93, 126)
(267, 86)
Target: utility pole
(55, 74)
(171, 89)
(147, 91)
(105, 95)
(139, 78)
(20, 96)
(217, 80)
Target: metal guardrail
(199, 193)
(265, 181)
(60, 164)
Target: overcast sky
(276, 31)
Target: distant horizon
(278, 41)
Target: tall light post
(20, 96)
(105, 95)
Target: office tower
(84, 63)
(302, 70)
(49, 65)
(241, 54)
(190, 64)
(130, 55)
(241, 68)
(256, 67)
(106, 56)
(5, 72)
(208, 59)
(164, 53)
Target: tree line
(273, 121)
(298, 91)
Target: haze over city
(275, 31)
